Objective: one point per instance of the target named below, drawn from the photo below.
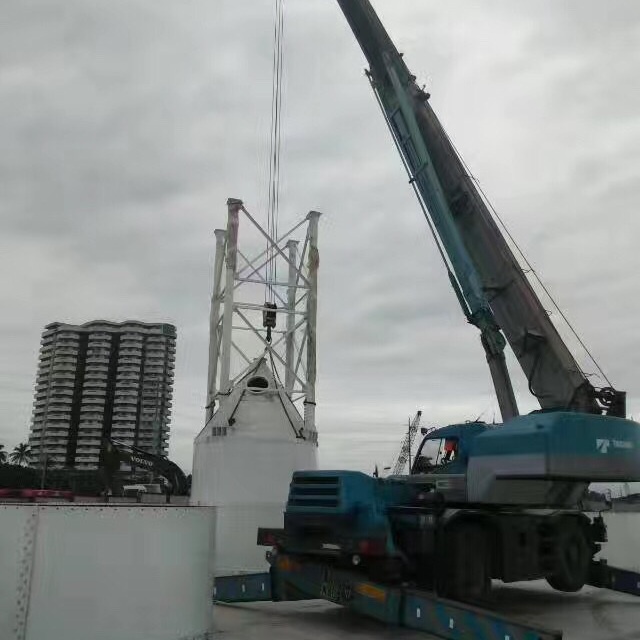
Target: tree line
(20, 455)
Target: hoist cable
(275, 147)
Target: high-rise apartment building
(102, 379)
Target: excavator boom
(115, 451)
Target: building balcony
(63, 356)
(87, 449)
(66, 334)
(90, 437)
(130, 373)
(131, 335)
(129, 407)
(97, 363)
(55, 449)
(63, 366)
(59, 395)
(95, 404)
(123, 417)
(131, 384)
(95, 376)
(90, 428)
(57, 410)
(60, 381)
(130, 368)
(56, 427)
(63, 379)
(96, 385)
(64, 352)
(98, 352)
(134, 355)
(94, 394)
(99, 344)
(100, 331)
(58, 414)
(124, 427)
(154, 369)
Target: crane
(405, 450)
(481, 501)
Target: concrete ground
(592, 614)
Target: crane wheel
(464, 571)
(573, 557)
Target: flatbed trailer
(517, 612)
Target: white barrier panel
(236, 535)
(105, 572)
(623, 548)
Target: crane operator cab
(436, 455)
(441, 460)
(445, 450)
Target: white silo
(254, 435)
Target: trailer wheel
(573, 557)
(464, 571)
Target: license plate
(336, 591)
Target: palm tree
(3, 454)
(20, 454)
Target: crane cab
(544, 459)
(442, 459)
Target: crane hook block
(269, 318)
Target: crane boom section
(492, 288)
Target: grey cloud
(127, 124)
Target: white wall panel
(107, 572)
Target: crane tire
(573, 557)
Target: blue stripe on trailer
(455, 621)
(473, 624)
(243, 588)
(606, 577)
(625, 581)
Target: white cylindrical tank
(243, 462)
(105, 572)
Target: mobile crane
(405, 449)
(481, 501)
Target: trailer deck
(592, 614)
(521, 611)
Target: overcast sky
(125, 125)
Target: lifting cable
(275, 143)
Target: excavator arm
(491, 287)
(115, 452)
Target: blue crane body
(481, 501)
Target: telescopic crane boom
(492, 289)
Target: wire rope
(275, 146)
